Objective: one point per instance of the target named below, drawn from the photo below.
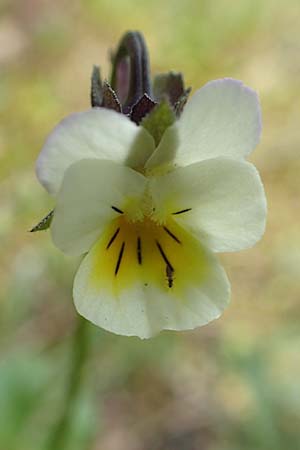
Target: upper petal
(221, 201)
(222, 119)
(84, 205)
(97, 133)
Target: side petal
(90, 190)
(137, 298)
(222, 119)
(97, 133)
(221, 201)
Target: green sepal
(171, 86)
(96, 87)
(158, 120)
(181, 102)
(102, 94)
(44, 224)
(141, 109)
(110, 99)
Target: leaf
(158, 120)
(44, 223)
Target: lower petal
(141, 278)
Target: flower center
(147, 252)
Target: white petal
(225, 201)
(222, 119)
(97, 133)
(84, 206)
(138, 301)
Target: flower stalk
(79, 355)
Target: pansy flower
(149, 219)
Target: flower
(150, 219)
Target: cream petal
(138, 300)
(221, 201)
(84, 205)
(222, 119)
(97, 133)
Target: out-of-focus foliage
(231, 385)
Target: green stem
(80, 344)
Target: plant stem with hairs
(80, 343)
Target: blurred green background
(232, 385)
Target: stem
(59, 437)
